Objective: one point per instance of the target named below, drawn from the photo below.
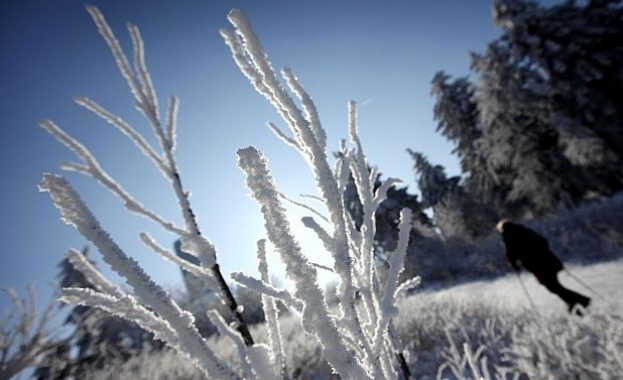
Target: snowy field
(482, 329)
(605, 279)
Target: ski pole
(527, 293)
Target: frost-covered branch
(197, 270)
(252, 61)
(74, 212)
(124, 306)
(92, 274)
(250, 57)
(358, 342)
(396, 261)
(141, 89)
(146, 100)
(305, 206)
(91, 167)
(323, 235)
(272, 313)
(316, 319)
(265, 289)
(352, 250)
(126, 129)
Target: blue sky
(381, 54)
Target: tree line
(537, 125)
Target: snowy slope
(604, 279)
(493, 319)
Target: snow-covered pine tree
(442, 194)
(457, 116)
(540, 128)
(578, 49)
(518, 140)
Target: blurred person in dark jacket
(528, 250)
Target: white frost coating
(125, 307)
(259, 357)
(381, 192)
(144, 94)
(75, 213)
(92, 168)
(323, 235)
(272, 313)
(147, 87)
(146, 100)
(348, 244)
(199, 246)
(264, 288)
(140, 85)
(127, 130)
(306, 207)
(253, 62)
(352, 120)
(115, 48)
(396, 265)
(364, 181)
(172, 122)
(263, 75)
(92, 274)
(230, 332)
(396, 261)
(203, 273)
(240, 58)
(311, 114)
(406, 286)
(315, 316)
(347, 342)
(342, 169)
(283, 137)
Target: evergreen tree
(457, 116)
(519, 145)
(579, 50)
(456, 211)
(436, 191)
(541, 126)
(456, 113)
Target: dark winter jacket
(529, 250)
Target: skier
(525, 248)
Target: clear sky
(381, 54)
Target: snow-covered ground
(491, 320)
(605, 281)
(493, 323)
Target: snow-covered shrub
(356, 341)
(457, 334)
(462, 336)
(24, 334)
(567, 347)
